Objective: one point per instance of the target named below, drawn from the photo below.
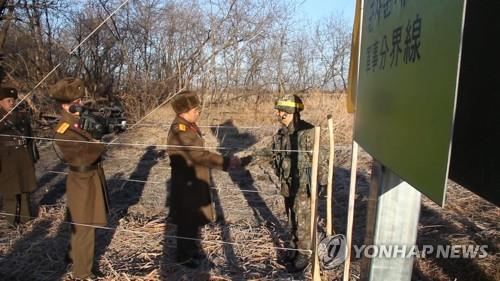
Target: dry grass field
(245, 242)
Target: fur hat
(67, 90)
(8, 93)
(185, 101)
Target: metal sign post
(393, 214)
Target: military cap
(8, 93)
(67, 90)
(185, 101)
(289, 104)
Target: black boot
(199, 255)
(288, 257)
(299, 263)
(190, 263)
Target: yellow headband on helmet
(290, 104)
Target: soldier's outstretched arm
(188, 142)
(257, 155)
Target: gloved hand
(234, 163)
(246, 160)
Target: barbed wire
(245, 127)
(116, 229)
(156, 145)
(210, 126)
(165, 182)
(190, 147)
(161, 163)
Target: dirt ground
(243, 244)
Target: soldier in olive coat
(17, 157)
(190, 199)
(85, 185)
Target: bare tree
(333, 43)
(152, 48)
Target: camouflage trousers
(298, 209)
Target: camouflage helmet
(289, 104)
(67, 90)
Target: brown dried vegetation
(241, 245)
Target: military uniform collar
(292, 127)
(3, 113)
(190, 125)
(183, 121)
(69, 118)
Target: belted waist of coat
(13, 142)
(82, 169)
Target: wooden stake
(314, 194)
(350, 210)
(371, 218)
(329, 187)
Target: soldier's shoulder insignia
(182, 127)
(62, 128)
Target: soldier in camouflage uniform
(293, 167)
(17, 157)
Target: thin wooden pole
(329, 187)
(314, 194)
(371, 218)
(350, 211)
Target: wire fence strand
(185, 147)
(226, 187)
(220, 242)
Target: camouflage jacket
(291, 162)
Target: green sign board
(409, 63)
